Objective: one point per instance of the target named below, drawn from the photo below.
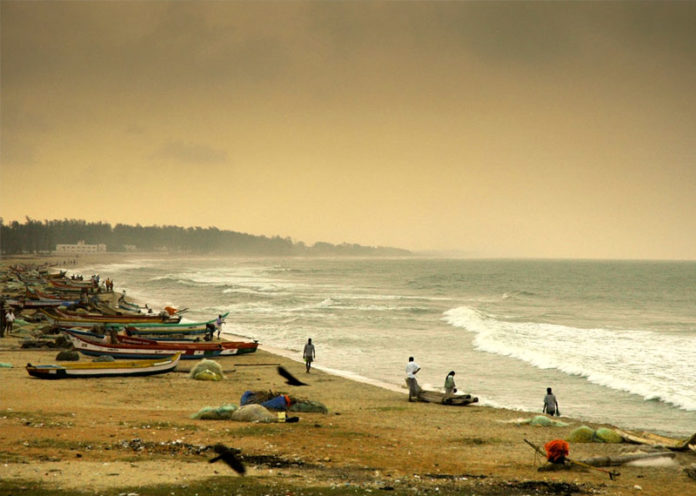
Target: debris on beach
(584, 434)
(539, 421)
(68, 356)
(281, 401)
(223, 412)
(207, 370)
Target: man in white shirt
(412, 369)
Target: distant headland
(49, 236)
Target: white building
(81, 247)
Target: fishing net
(608, 436)
(308, 406)
(207, 370)
(223, 412)
(582, 434)
(272, 399)
(68, 356)
(253, 413)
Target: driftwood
(650, 439)
(613, 461)
(438, 397)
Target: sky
(490, 129)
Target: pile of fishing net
(538, 421)
(584, 434)
(207, 370)
(245, 413)
(281, 402)
(223, 412)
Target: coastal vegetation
(35, 236)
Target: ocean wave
(624, 360)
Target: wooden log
(613, 461)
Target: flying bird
(289, 378)
(229, 456)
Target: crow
(229, 456)
(290, 379)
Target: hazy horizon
(559, 130)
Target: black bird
(289, 378)
(229, 456)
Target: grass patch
(166, 425)
(38, 419)
(59, 444)
(257, 430)
(389, 408)
(475, 441)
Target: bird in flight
(230, 457)
(289, 378)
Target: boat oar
(612, 474)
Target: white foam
(618, 359)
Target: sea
(616, 340)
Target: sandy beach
(121, 435)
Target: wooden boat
(131, 347)
(164, 328)
(161, 365)
(438, 397)
(99, 334)
(56, 317)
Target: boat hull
(162, 365)
(136, 348)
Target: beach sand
(104, 435)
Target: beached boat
(132, 347)
(79, 370)
(438, 397)
(164, 328)
(62, 319)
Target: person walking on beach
(550, 404)
(2, 317)
(309, 354)
(9, 320)
(450, 387)
(412, 369)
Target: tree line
(34, 236)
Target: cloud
(190, 153)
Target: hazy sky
(530, 129)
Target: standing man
(412, 369)
(9, 319)
(2, 316)
(550, 404)
(309, 354)
(218, 325)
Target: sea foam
(619, 359)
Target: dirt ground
(105, 433)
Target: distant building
(81, 247)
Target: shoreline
(371, 438)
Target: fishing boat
(62, 319)
(164, 328)
(100, 333)
(133, 347)
(80, 370)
